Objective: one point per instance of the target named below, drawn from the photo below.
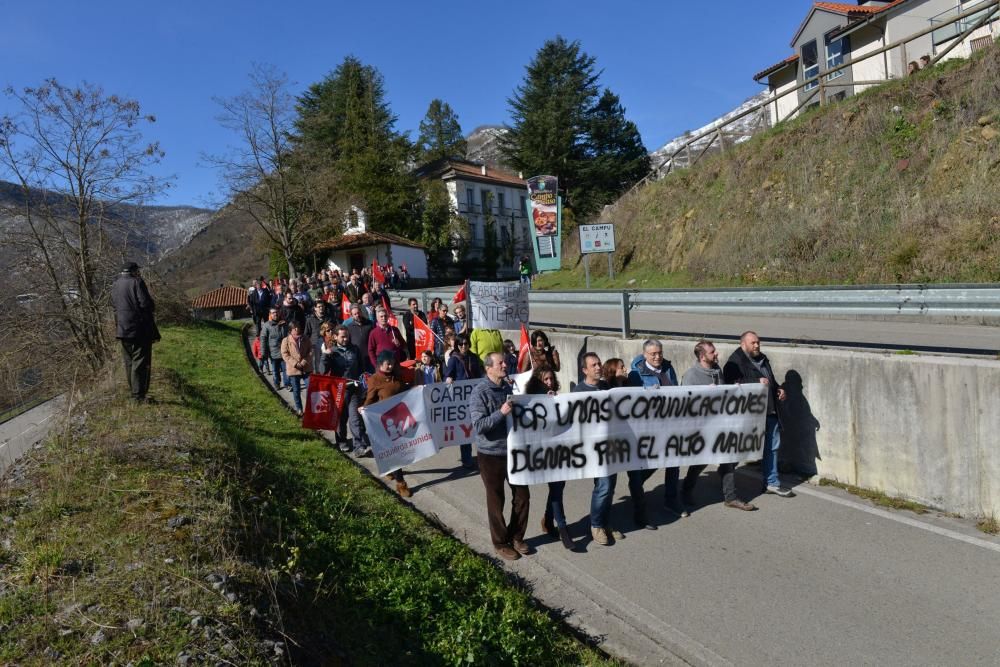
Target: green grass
(989, 525)
(317, 553)
(352, 561)
(877, 497)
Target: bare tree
(264, 175)
(79, 157)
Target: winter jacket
(741, 370)
(489, 426)
(382, 386)
(298, 358)
(133, 309)
(386, 339)
(696, 375)
(486, 341)
(469, 368)
(642, 375)
(344, 362)
(271, 335)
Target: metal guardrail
(973, 301)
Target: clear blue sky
(675, 65)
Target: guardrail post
(423, 298)
(626, 320)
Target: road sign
(597, 238)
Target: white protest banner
(399, 430)
(498, 305)
(416, 424)
(448, 412)
(596, 434)
(519, 381)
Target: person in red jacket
(385, 337)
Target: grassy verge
(989, 525)
(279, 549)
(877, 497)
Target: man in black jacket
(259, 302)
(135, 328)
(411, 345)
(749, 365)
(341, 358)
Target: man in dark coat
(259, 302)
(748, 365)
(408, 316)
(135, 328)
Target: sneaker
(344, 446)
(641, 522)
(359, 453)
(403, 489)
(522, 547)
(675, 507)
(507, 553)
(567, 541)
(600, 536)
(614, 534)
(782, 491)
(368, 451)
(740, 505)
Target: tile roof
(224, 297)
(855, 10)
(450, 168)
(366, 239)
(775, 67)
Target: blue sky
(675, 65)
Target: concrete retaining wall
(923, 428)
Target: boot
(567, 541)
(547, 527)
(403, 489)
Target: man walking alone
(135, 328)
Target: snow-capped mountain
(735, 133)
(484, 145)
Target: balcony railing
(955, 28)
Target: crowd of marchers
(346, 328)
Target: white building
(835, 33)
(477, 191)
(357, 247)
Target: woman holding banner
(428, 371)
(543, 381)
(463, 365)
(385, 383)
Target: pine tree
(617, 156)
(346, 122)
(561, 127)
(440, 133)
(548, 130)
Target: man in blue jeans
(749, 365)
(272, 333)
(604, 487)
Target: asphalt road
(930, 336)
(819, 579)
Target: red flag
(423, 337)
(525, 346)
(345, 307)
(324, 402)
(459, 295)
(377, 274)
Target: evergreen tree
(617, 156)
(560, 126)
(548, 130)
(440, 133)
(345, 121)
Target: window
(484, 198)
(470, 201)
(501, 204)
(524, 206)
(810, 63)
(836, 49)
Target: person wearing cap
(135, 327)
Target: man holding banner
(489, 405)
(414, 312)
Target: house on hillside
(358, 247)
(837, 33)
(224, 303)
(479, 193)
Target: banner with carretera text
(545, 216)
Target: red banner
(324, 402)
(345, 308)
(423, 337)
(377, 274)
(459, 295)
